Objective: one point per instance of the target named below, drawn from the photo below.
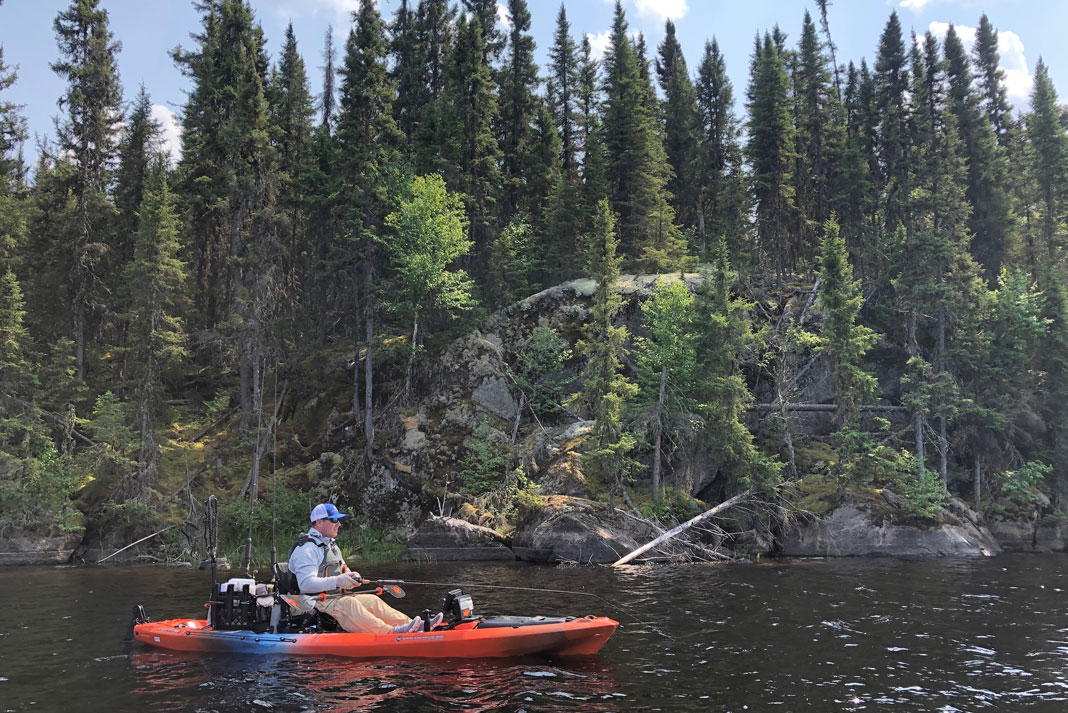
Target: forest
(435, 174)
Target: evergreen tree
(406, 73)
(844, 341)
(771, 156)
(666, 362)
(681, 120)
(89, 134)
(855, 194)
(140, 142)
(12, 134)
(434, 39)
(518, 112)
(890, 106)
(564, 95)
(605, 389)
(1050, 168)
(994, 97)
(636, 168)
(155, 280)
(725, 331)
(368, 145)
(990, 221)
(723, 206)
(291, 112)
(484, 13)
(472, 150)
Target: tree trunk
(518, 415)
(659, 434)
(917, 418)
(356, 347)
(976, 484)
(368, 379)
(411, 359)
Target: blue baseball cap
(325, 511)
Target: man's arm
(304, 563)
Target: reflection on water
(821, 636)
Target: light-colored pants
(363, 613)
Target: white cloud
(171, 135)
(285, 10)
(503, 17)
(599, 43)
(665, 9)
(1013, 61)
(915, 5)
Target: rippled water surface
(810, 635)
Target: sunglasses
(334, 520)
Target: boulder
(1015, 535)
(1051, 536)
(36, 550)
(850, 531)
(576, 530)
(447, 539)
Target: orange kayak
(493, 637)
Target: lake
(802, 635)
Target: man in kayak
(317, 563)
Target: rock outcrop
(578, 531)
(855, 530)
(447, 539)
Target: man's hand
(348, 580)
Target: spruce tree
(990, 222)
(563, 95)
(1050, 163)
(484, 13)
(155, 281)
(770, 151)
(471, 148)
(140, 142)
(681, 120)
(636, 169)
(666, 365)
(991, 76)
(368, 145)
(890, 106)
(518, 112)
(89, 134)
(605, 390)
(723, 206)
(12, 198)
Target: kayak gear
(243, 625)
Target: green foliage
(924, 493)
(539, 370)
(483, 467)
(513, 262)
(217, 406)
(36, 490)
(1023, 485)
(673, 506)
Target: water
(816, 635)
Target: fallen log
(822, 407)
(684, 526)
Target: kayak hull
(578, 637)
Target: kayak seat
(500, 622)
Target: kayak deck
(576, 637)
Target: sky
(149, 29)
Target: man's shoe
(411, 627)
(436, 620)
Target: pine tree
(155, 280)
(605, 389)
(855, 193)
(484, 13)
(636, 169)
(89, 134)
(990, 221)
(771, 156)
(12, 200)
(406, 73)
(681, 121)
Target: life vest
(331, 564)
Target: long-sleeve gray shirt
(305, 561)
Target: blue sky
(148, 29)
